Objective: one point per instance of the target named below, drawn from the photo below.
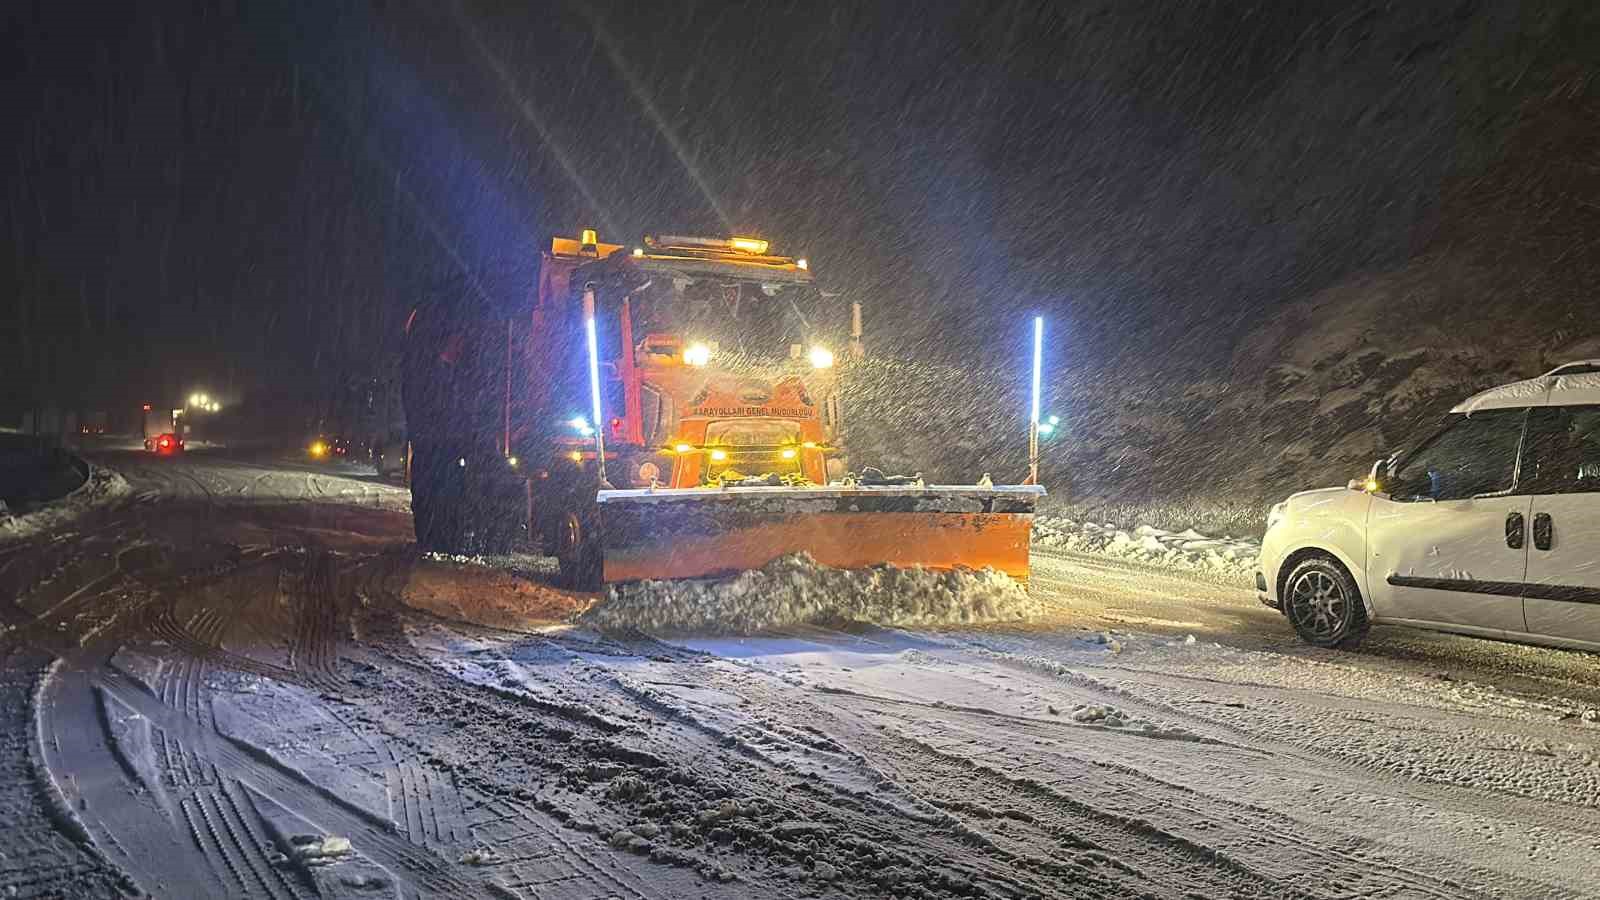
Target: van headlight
(1276, 514)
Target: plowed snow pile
(795, 589)
(1186, 549)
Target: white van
(1490, 527)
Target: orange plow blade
(708, 533)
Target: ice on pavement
(795, 589)
(1188, 549)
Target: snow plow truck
(673, 410)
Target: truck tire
(466, 501)
(1324, 605)
(577, 547)
(435, 498)
(496, 513)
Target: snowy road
(212, 476)
(220, 690)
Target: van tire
(1324, 605)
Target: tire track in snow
(371, 836)
(43, 855)
(1146, 813)
(429, 812)
(314, 652)
(77, 727)
(1190, 789)
(880, 813)
(164, 626)
(1290, 745)
(274, 880)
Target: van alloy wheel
(1317, 602)
(1324, 605)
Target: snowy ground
(1186, 550)
(204, 696)
(103, 488)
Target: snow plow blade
(708, 533)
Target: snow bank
(103, 487)
(795, 589)
(1188, 549)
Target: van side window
(1476, 454)
(1562, 453)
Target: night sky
(249, 196)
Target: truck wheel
(433, 505)
(1324, 606)
(578, 551)
(495, 512)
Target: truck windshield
(744, 318)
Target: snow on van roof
(1552, 389)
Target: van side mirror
(1376, 480)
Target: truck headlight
(821, 357)
(697, 354)
(1276, 514)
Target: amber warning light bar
(754, 246)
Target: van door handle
(1515, 531)
(1544, 529)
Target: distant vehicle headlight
(1276, 514)
(821, 357)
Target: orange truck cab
(716, 360)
